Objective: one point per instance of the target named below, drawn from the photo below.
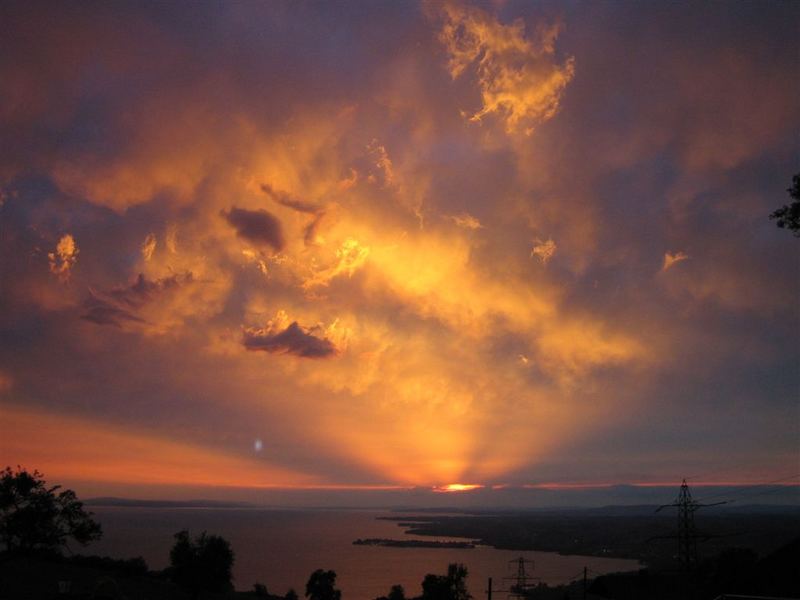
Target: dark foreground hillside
(53, 578)
(735, 572)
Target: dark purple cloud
(257, 226)
(121, 303)
(290, 201)
(292, 340)
(102, 312)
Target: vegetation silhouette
(395, 593)
(452, 586)
(260, 590)
(202, 564)
(35, 517)
(321, 586)
(788, 216)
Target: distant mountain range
(621, 510)
(605, 511)
(132, 502)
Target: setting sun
(457, 487)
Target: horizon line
(461, 489)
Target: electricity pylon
(522, 582)
(687, 533)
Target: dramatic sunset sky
(395, 245)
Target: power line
(749, 487)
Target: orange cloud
(350, 257)
(149, 246)
(519, 78)
(66, 448)
(544, 251)
(670, 260)
(466, 220)
(371, 226)
(64, 258)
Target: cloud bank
(448, 221)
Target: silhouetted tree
(396, 593)
(291, 595)
(321, 584)
(788, 216)
(260, 590)
(202, 564)
(447, 587)
(36, 517)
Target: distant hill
(132, 502)
(613, 510)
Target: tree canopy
(36, 517)
(321, 586)
(447, 587)
(788, 216)
(201, 564)
(395, 593)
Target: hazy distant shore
(389, 543)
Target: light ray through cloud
(454, 246)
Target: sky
(379, 246)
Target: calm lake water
(280, 548)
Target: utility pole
(687, 533)
(489, 590)
(584, 583)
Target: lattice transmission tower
(521, 581)
(688, 534)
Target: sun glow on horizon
(457, 487)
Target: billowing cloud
(63, 259)
(149, 246)
(670, 260)
(256, 226)
(122, 305)
(171, 240)
(385, 199)
(102, 311)
(543, 250)
(382, 163)
(466, 220)
(311, 235)
(350, 256)
(291, 339)
(519, 76)
(289, 201)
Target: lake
(280, 548)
